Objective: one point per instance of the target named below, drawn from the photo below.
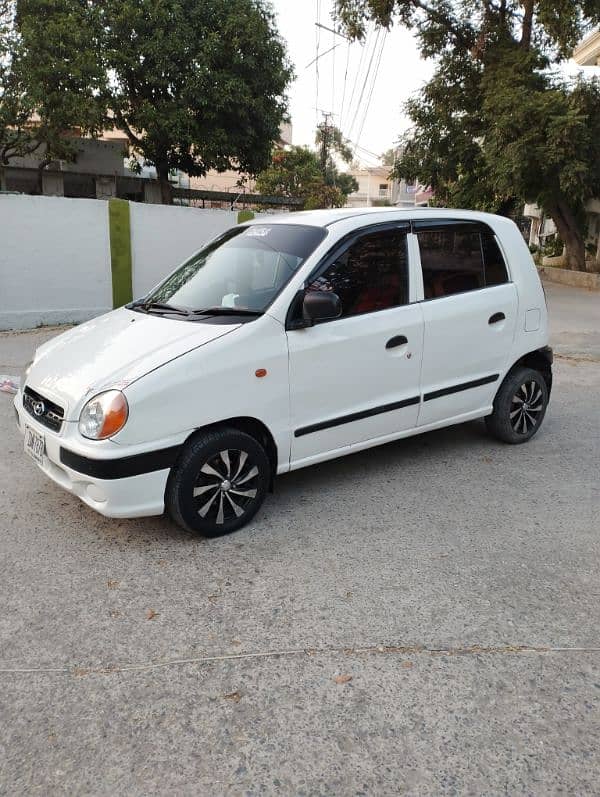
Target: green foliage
(493, 128)
(296, 172)
(329, 139)
(346, 183)
(51, 76)
(196, 85)
(330, 142)
(292, 173)
(553, 247)
(15, 107)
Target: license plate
(35, 445)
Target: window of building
(456, 258)
(371, 275)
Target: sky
(401, 72)
(370, 114)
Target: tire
(218, 483)
(510, 422)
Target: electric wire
(341, 116)
(364, 85)
(373, 83)
(364, 49)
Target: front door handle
(399, 340)
(494, 319)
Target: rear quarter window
(458, 257)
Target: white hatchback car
(288, 341)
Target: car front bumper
(119, 486)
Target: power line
(364, 85)
(333, 77)
(362, 55)
(345, 82)
(372, 87)
(318, 44)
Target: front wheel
(519, 407)
(219, 482)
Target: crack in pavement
(471, 650)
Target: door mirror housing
(320, 306)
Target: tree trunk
(2, 178)
(570, 234)
(166, 193)
(527, 29)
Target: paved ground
(454, 579)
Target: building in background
(93, 174)
(375, 188)
(587, 53)
(102, 169)
(235, 182)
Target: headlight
(104, 415)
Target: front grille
(43, 410)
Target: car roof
(326, 218)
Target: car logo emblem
(39, 408)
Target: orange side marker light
(260, 372)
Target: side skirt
(378, 441)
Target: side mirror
(320, 306)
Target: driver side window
(370, 275)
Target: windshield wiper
(226, 311)
(162, 307)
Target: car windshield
(243, 269)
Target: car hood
(113, 350)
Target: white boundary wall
(55, 264)
(54, 260)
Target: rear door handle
(494, 319)
(399, 340)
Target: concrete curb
(576, 279)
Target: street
(420, 618)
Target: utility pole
(325, 129)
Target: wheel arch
(540, 360)
(251, 426)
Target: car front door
(356, 377)
(470, 311)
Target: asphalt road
(449, 583)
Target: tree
(296, 172)
(292, 173)
(62, 73)
(196, 85)
(331, 142)
(15, 109)
(494, 127)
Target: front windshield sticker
(258, 232)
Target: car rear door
(469, 312)
(356, 377)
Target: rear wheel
(519, 407)
(218, 483)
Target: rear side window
(459, 257)
(370, 275)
